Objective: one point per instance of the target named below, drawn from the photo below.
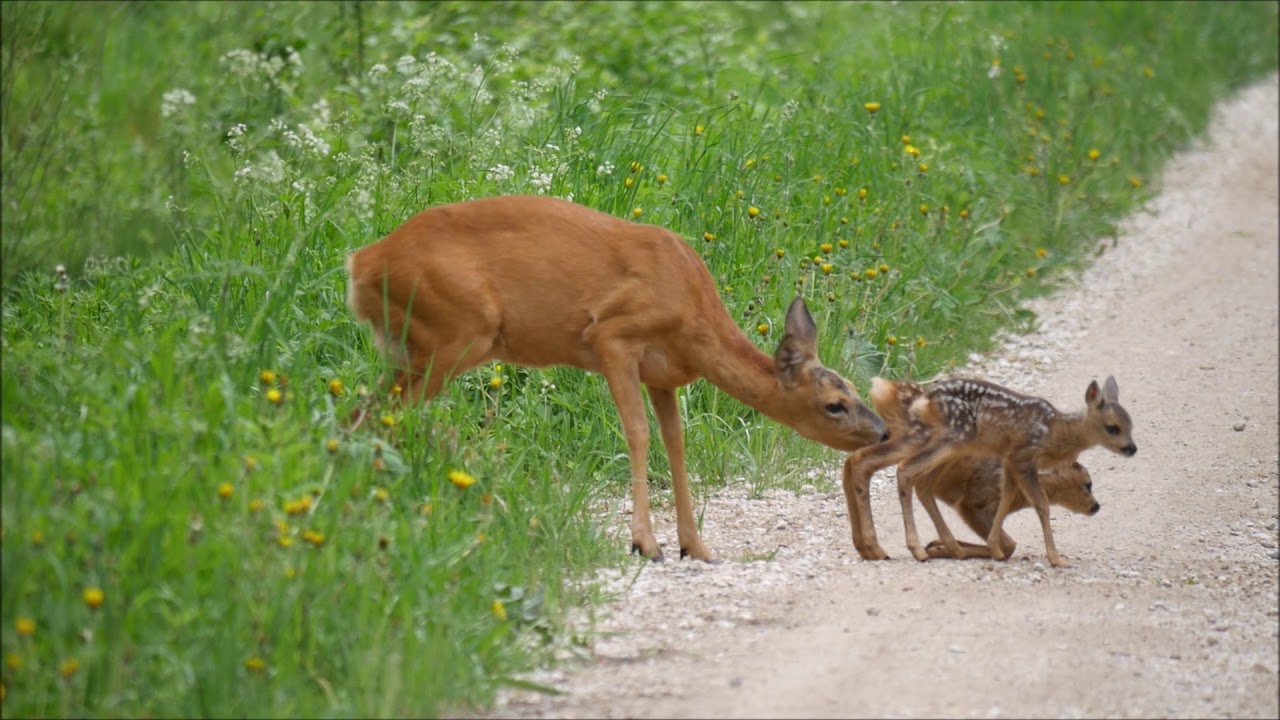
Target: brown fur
(954, 419)
(972, 487)
(538, 281)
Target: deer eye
(836, 408)
(1113, 429)
(1088, 487)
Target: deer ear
(799, 343)
(1110, 390)
(1091, 395)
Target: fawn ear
(1110, 390)
(799, 343)
(1091, 395)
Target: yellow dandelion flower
(844, 221)
(826, 199)
(396, 390)
(250, 463)
(1032, 170)
(225, 490)
(1135, 181)
(906, 139)
(817, 178)
(777, 177)
(912, 150)
(314, 537)
(827, 268)
(892, 340)
(749, 163)
(37, 538)
(871, 107)
(267, 377)
(921, 342)
(331, 445)
(762, 328)
(255, 664)
(841, 191)
(662, 179)
(964, 214)
(637, 212)
(628, 182)
(708, 236)
(884, 268)
(1094, 154)
(256, 505)
(336, 388)
(1148, 71)
(924, 209)
(290, 572)
(425, 508)
(843, 243)
(739, 194)
(68, 667)
(274, 396)
(870, 273)
(923, 167)
(481, 537)
(753, 211)
(636, 167)
(697, 130)
(461, 479)
(379, 464)
(825, 247)
(1063, 179)
(1041, 252)
(499, 610)
(780, 252)
(495, 382)
(1031, 272)
(862, 193)
(284, 541)
(25, 626)
(381, 495)
(389, 421)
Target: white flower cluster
(499, 173)
(176, 101)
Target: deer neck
(735, 365)
(1066, 439)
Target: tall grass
(189, 529)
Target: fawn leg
(664, 406)
(1008, 494)
(921, 471)
(858, 469)
(1029, 483)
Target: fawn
(972, 487)
(956, 418)
(538, 281)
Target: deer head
(1107, 419)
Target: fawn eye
(1113, 429)
(836, 408)
(1088, 487)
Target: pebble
(1238, 426)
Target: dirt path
(1170, 608)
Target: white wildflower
(235, 137)
(541, 181)
(499, 173)
(405, 65)
(994, 72)
(604, 169)
(175, 101)
(377, 71)
(241, 63)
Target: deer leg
(919, 471)
(668, 412)
(1008, 494)
(1028, 480)
(622, 373)
(858, 469)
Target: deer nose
(1129, 450)
(1096, 507)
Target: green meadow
(188, 525)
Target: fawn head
(1109, 418)
(1071, 486)
(815, 401)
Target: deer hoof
(655, 557)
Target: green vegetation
(187, 527)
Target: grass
(187, 527)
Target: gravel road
(1170, 606)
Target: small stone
(735, 681)
(1238, 426)
(873, 611)
(1260, 668)
(956, 649)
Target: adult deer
(958, 418)
(538, 281)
